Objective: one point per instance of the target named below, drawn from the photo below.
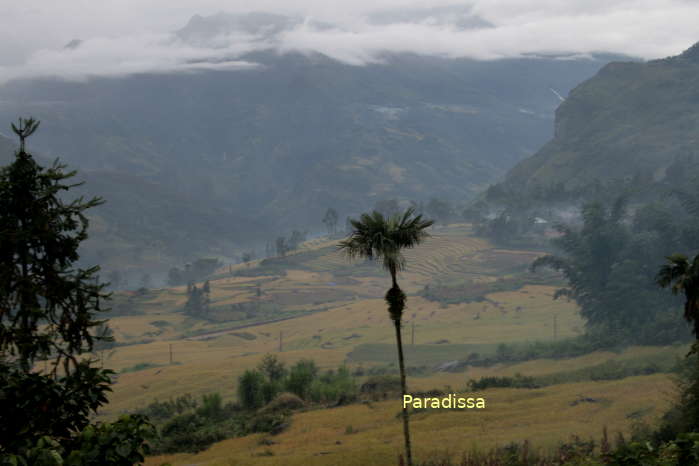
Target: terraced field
(320, 306)
(319, 276)
(328, 310)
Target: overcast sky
(129, 36)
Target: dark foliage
(47, 307)
(45, 406)
(518, 381)
(197, 300)
(610, 269)
(48, 311)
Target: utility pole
(555, 327)
(170, 353)
(412, 339)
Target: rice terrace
(343, 321)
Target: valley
(343, 321)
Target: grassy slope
(544, 416)
(351, 326)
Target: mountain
(629, 119)
(136, 228)
(213, 161)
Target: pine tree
(47, 307)
(48, 311)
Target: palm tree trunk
(401, 365)
(396, 302)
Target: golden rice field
(336, 315)
(203, 364)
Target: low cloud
(152, 53)
(358, 34)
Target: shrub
(250, 391)
(518, 381)
(211, 407)
(283, 402)
(158, 410)
(272, 368)
(301, 377)
(121, 443)
(273, 423)
(116, 444)
(262, 386)
(187, 432)
(381, 385)
(334, 386)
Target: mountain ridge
(630, 118)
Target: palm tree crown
(377, 237)
(682, 276)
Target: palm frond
(672, 273)
(374, 236)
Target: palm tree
(374, 236)
(682, 276)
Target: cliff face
(630, 118)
